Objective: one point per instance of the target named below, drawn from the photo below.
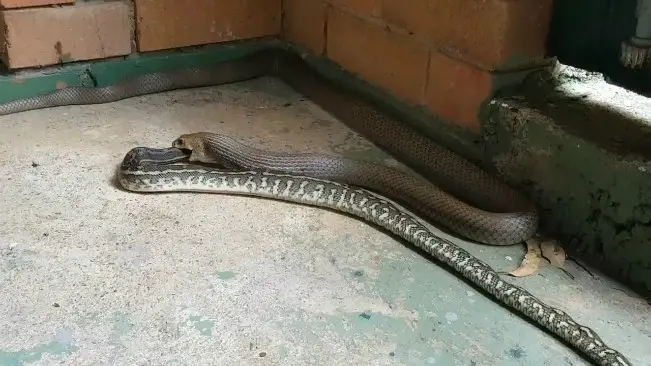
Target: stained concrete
(90, 274)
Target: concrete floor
(90, 274)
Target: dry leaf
(531, 260)
(553, 252)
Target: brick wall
(47, 32)
(441, 54)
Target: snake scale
(308, 179)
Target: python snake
(146, 169)
(514, 218)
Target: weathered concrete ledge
(580, 147)
(556, 143)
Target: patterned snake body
(167, 170)
(514, 219)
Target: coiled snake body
(324, 181)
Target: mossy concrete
(591, 192)
(596, 201)
(579, 147)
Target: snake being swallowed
(419, 194)
(506, 217)
(206, 162)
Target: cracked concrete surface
(90, 274)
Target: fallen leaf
(553, 252)
(531, 260)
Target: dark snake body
(419, 194)
(506, 217)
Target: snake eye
(179, 142)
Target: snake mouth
(179, 143)
(185, 150)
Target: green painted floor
(93, 275)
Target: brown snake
(507, 217)
(515, 218)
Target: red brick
(371, 8)
(304, 23)
(488, 33)
(164, 24)
(46, 36)
(456, 90)
(8, 4)
(385, 59)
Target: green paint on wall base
(28, 83)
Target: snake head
(194, 142)
(185, 142)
